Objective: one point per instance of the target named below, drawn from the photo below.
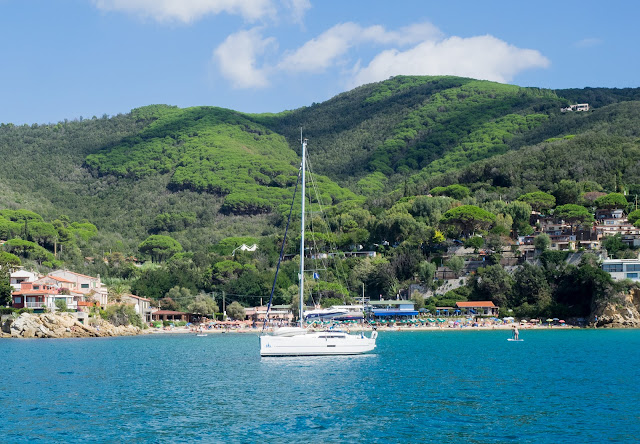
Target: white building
(87, 285)
(141, 305)
(620, 269)
(19, 276)
(576, 107)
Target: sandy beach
(357, 328)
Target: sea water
(429, 386)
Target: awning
(395, 313)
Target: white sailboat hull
(317, 344)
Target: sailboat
(298, 341)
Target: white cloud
(419, 49)
(588, 42)
(298, 8)
(187, 11)
(237, 58)
(323, 51)
(482, 57)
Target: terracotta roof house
(41, 295)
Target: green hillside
(602, 147)
(211, 150)
(182, 188)
(408, 123)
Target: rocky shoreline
(62, 325)
(622, 311)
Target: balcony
(50, 305)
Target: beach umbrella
(556, 319)
(561, 321)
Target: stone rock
(62, 325)
(621, 311)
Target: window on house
(36, 287)
(632, 275)
(612, 268)
(633, 267)
(84, 285)
(18, 299)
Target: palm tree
(117, 291)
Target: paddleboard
(515, 340)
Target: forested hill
(202, 174)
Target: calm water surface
(450, 386)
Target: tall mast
(302, 199)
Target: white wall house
(620, 269)
(85, 284)
(141, 305)
(19, 276)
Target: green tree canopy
(204, 305)
(236, 311)
(7, 262)
(492, 283)
(612, 201)
(455, 264)
(567, 192)
(542, 242)
(539, 200)
(160, 247)
(531, 287)
(475, 242)
(573, 214)
(426, 271)
(634, 217)
(468, 219)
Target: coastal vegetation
(161, 199)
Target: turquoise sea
(435, 386)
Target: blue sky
(71, 58)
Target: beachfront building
(620, 269)
(392, 309)
(141, 305)
(278, 315)
(89, 286)
(169, 315)
(19, 276)
(477, 308)
(42, 294)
